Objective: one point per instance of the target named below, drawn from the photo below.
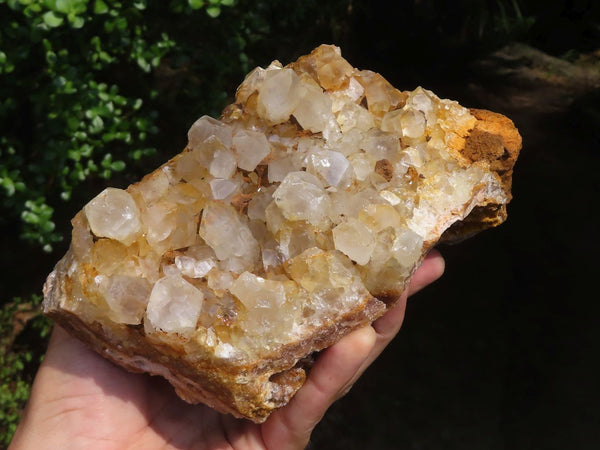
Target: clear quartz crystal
(413, 123)
(354, 239)
(194, 268)
(331, 166)
(114, 214)
(278, 95)
(223, 163)
(251, 148)
(301, 196)
(381, 145)
(314, 109)
(279, 168)
(264, 302)
(222, 188)
(174, 306)
(153, 186)
(353, 116)
(407, 247)
(127, 297)
(206, 127)
(363, 165)
(108, 255)
(225, 231)
(321, 182)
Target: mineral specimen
(297, 217)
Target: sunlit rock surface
(298, 216)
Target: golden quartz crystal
(296, 218)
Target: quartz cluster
(301, 213)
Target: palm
(80, 400)
(119, 409)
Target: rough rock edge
(496, 140)
(269, 384)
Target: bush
(85, 85)
(23, 330)
(76, 99)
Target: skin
(80, 400)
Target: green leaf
(213, 11)
(48, 226)
(64, 6)
(196, 4)
(121, 23)
(97, 125)
(143, 64)
(74, 155)
(30, 217)
(8, 184)
(33, 10)
(76, 21)
(52, 20)
(117, 166)
(86, 150)
(107, 137)
(50, 4)
(227, 2)
(72, 123)
(71, 6)
(100, 7)
(50, 58)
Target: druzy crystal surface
(318, 192)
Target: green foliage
(76, 97)
(85, 86)
(14, 392)
(18, 360)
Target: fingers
(336, 369)
(388, 325)
(431, 269)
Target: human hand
(81, 400)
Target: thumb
(332, 376)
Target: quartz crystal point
(297, 217)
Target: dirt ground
(502, 352)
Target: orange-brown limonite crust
(496, 140)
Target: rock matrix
(298, 216)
